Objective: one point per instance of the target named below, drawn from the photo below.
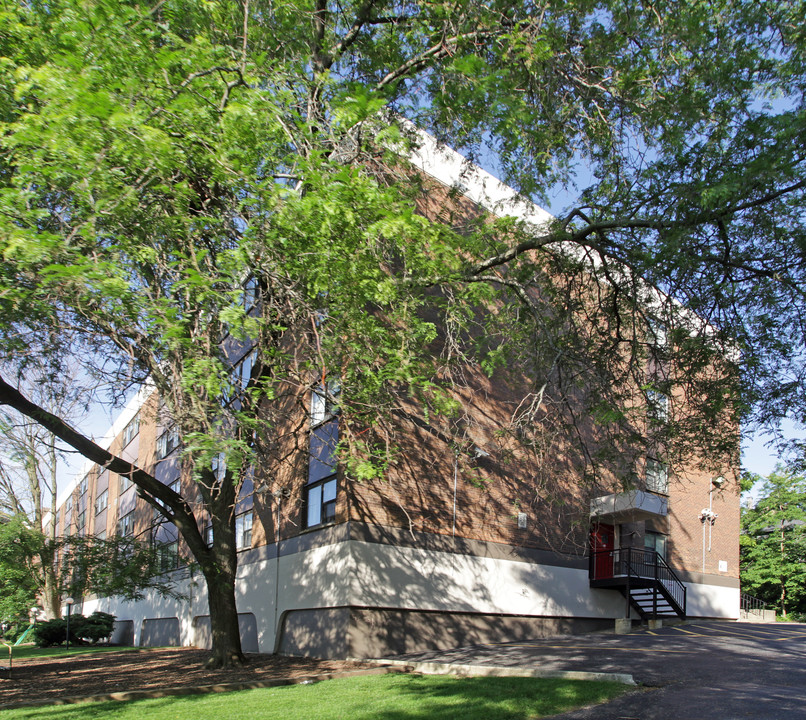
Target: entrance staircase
(643, 577)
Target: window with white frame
(126, 525)
(158, 515)
(251, 294)
(320, 502)
(657, 476)
(168, 554)
(219, 466)
(655, 541)
(125, 483)
(657, 406)
(131, 430)
(242, 370)
(658, 335)
(83, 485)
(208, 536)
(319, 499)
(81, 522)
(324, 402)
(102, 501)
(167, 443)
(243, 531)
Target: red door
(603, 538)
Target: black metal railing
(641, 563)
(752, 604)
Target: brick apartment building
(459, 543)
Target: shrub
(52, 632)
(96, 627)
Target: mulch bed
(51, 680)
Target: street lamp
(69, 602)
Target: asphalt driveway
(700, 670)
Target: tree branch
(185, 520)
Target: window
(251, 294)
(157, 513)
(658, 335)
(655, 541)
(241, 374)
(167, 443)
(101, 534)
(126, 525)
(168, 555)
(131, 430)
(320, 502)
(243, 531)
(125, 484)
(657, 406)
(68, 505)
(208, 535)
(81, 522)
(324, 402)
(657, 476)
(219, 466)
(82, 486)
(102, 501)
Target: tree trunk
(783, 563)
(51, 592)
(50, 597)
(225, 633)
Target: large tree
(773, 543)
(154, 156)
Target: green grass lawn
(374, 697)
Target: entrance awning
(628, 506)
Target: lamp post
(69, 602)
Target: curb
(128, 695)
(437, 668)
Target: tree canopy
(174, 172)
(773, 543)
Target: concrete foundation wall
(339, 597)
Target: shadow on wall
(160, 632)
(247, 624)
(319, 632)
(122, 633)
(413, 599)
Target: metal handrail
(638, 563)
(749, 603)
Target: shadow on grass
(389, 697)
